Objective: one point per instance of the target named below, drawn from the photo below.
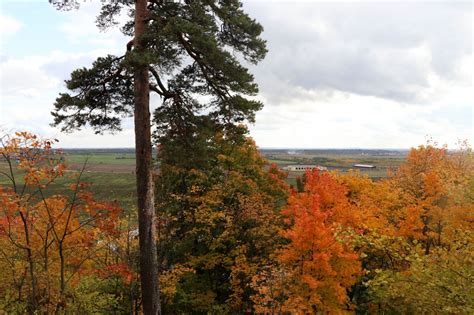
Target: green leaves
(102, 96)
(221, 212)
(240, 31)
(192, 50)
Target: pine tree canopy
(194, 53)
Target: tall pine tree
(187, 53)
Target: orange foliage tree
(318, 266)
(434, 186)
(433, 226)
(413, 223)
(47, 241)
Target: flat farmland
(337, 160)
(111, 172)
(109, 181)
(101, 162)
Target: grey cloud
(362, 48)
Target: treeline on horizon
(234, 238)
(264, 151)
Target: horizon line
(260, 148)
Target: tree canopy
(194, 50)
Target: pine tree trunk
(145, 190)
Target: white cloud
(30, 85)
(9, 27)
(36, 119)
(35, 75)
(81, 29)
(351, 120)
(24, 77)
(87, 139)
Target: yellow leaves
(207, 261)
(170, 279)
(437, 283)
(223, 158)
(34, 157)
(228, 224)
(432, 186)
(430, 207)
(195, 189)
(42, 235)
(241, 271)
(271, 291)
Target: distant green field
(342, 161)
(102, 158)
(281, 162)
(113, 187)
(106, 186)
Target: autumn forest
(214, 227)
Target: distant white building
(302, 168)
(363, 166)
(293, 152)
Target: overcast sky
(373, 74)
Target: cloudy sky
(365, 74)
